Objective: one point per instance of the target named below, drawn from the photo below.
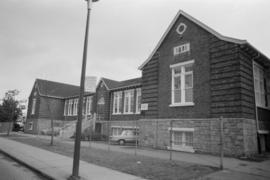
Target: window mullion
(182, 84)
(173, 90)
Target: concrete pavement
(56, 166)
(233, 168)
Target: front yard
(146, 167)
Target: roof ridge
(131, 79)
(38, 79)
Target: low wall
(240, 136)
(35, 126)
(4, 127)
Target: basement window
(182, 139)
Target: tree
(9, 111)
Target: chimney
(90, 83)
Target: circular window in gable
(181, 28)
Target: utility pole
(77, 146)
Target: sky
(44, 38)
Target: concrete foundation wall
(41, 124)
(239, 134)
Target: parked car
(127, 136)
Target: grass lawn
(146, 167)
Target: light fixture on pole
(76, 156)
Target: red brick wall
(121, 117)
(55, 109)
(199, 52)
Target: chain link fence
(219, 136)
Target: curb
(28, 165)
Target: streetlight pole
(76, 155)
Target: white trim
(75, 107)
(129, 94)
(137, 105)
(118, 88)
(184, 28)
(210, 30)
(182, 104)
(182, 147)
(182, 63)
(263, 107)
(183, 88)
(118, 101)
(127, 127)
(260, 69)
(181, 129)
(124, 87)
(181, 49)
(34, 102)
(263, 131)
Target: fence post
(156, 135)
(136, 133)
(171, 125)
(221, 143)
(109, 132)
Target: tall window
(138, 100)
(259, 86)
(66, 107)
(70, 102)
(117, 102)
(129, 101)
(182, 84)
(33, 106)
(75, 107)
(88, 105)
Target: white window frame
(129, 94)
(30, 125)
(75, 107)
(181, 49)
(117, 98)
(182, 86)
(182, 147)
(65, 107)
(138, 96)
(88, 105)
(33, 110)
(259, 101)
(70, 103)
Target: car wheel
(122, 142)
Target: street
(11, 170)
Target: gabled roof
(113, 85)
(56, 89)
(202, 25)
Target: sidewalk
(233, 168)
(56, 166)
